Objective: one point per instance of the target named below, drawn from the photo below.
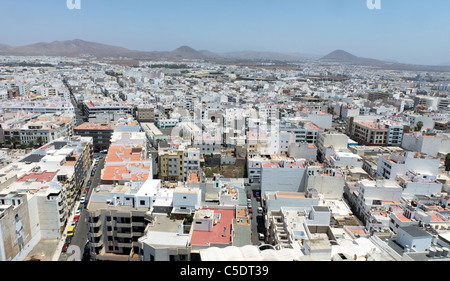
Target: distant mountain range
(78, 47)
(75, 48)
(347, 58)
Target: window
(142, 202)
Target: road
(257, 222)
(80, 236)
(78, 114)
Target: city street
(80, 236)
(257, 222)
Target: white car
(82, 199)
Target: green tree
(14, 142)
(39, 140)
(419, 125)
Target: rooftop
(206, 238)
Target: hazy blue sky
(415, 31)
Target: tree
(14, 142)
(419, 125)
(39, 140)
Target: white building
(328, 143)
(283, 175)
(391, 166)
(186, 200)
(418, 142)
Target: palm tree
(31, 144)
(39, 140)
(14, 142)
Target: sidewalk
(61, 242)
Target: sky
(407, 31)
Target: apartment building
(305, 230)
(330, 142)
(165, 239)
(304, 131)
(100, 133)
(42, 106)
(11, 124)
(431, 144)
(147, 113)
(154, 135)
(395, 164)
(125, 163)
(171, 165)
(18, 225)
(369, 133)
(374, 195)
(93, 107)
(47, 128)
(415, 184)
(282, 173)
(118, 216)
(34, 206)
(191, 161)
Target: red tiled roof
(215, 236)
(39, 177)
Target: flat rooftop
(205, 238)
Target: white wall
(419, 188)
(282, 179)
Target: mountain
(184, 52)
(258, 55)
(347, 58)
(77, 47)
(66, 48)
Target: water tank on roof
(445, 252)
(432, 252)
(438, 252)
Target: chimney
(224, 231)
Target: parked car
(71, 230)
(76, 218)
(261, 236)
(65, 247)
(82, 199)
(249, 196)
